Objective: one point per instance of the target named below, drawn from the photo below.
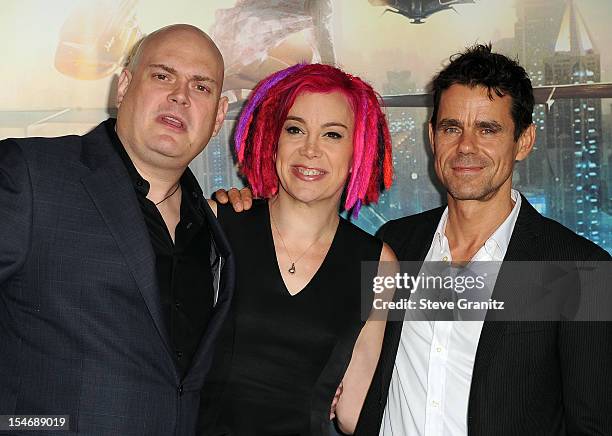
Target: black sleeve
(15, 209)
(585, 351)
(380, 234)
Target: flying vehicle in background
(417, 10)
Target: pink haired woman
(309, 138)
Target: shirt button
(439, 349)
(139, 183)
(180, 390)
(178, 305)
(435, 404)
(189, 224)
(179, 354)
(445, 259)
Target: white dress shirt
(430, 384)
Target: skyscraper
(214, 167)
(536, 32)
(412, 190)
(607, 163)
(574, 129)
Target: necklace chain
(169, 195)
(291, 270)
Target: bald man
(114, 275)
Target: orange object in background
(96, 38)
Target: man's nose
(180, 94)
(467, 142)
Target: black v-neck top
(281, 357)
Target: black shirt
(183, 267)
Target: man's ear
(122, 85)
(431, 138)
(526, 142)
(221, 112)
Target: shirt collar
(188, 181)
(140, 184)
(501, 237)
(495, 246)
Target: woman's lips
(308, 174)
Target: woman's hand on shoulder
(239, 199)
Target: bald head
(186, 31)
(169, 97)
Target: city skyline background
(567, 177)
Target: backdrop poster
(62, 58)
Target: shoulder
(356, 238)
(229, 217)
(45, 145)
(11, 150)
(356, 231)
(402, 231)
(14, 171)
(46, 155)
(408, 224)
(545, 238)
(568, 244)
(386, 253)
(42, 160)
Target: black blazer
(81, 328)
(529, 378)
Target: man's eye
(293, 130)
(202, 88)
(451, 130)
(488, 131)
(160, 76)
(333, 135)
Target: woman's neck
(303, 221)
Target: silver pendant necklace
(291, 270)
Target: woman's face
(315, 148)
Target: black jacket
(81, 328)
(529, 378)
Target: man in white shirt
(442, 378)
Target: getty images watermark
(422, 283)
(492, 291)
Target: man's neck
(471, 222)
(161, 183)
